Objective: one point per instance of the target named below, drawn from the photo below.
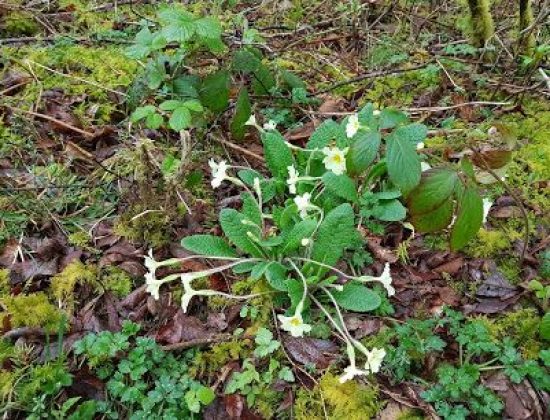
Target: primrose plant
(295, 229)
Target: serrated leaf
(390, 211)
(245, 61)
(402, 163)
(336, 233)
(214, 92)
(209, 245)
(179, 24)
(243, 110)
(413, 133)
(154, 121)
(142, 112)
(232, 225)
(436, 186)
(435, 220)
(278, 156)
(292, 80)
(340, 185)
(180, 119)
(390, 118)
(170, 105)
(469, 218)
(357, 297)
(263, 80)
(363, 150)
(327, 131)
(208, 27)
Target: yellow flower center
(337, 159)
(295, 322)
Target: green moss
(19, 24)
(212, 361)
(76, 273)
(34, 310)
(481, 22)
(103, 67)
(522, 326)
(348, 401)
(409, 414)
(116, 280)
(140, 225)
(488, 243)
(5, 287)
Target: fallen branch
(198, 342)
(238, 148)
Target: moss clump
(212, 361)
(488, 243)
(5, 287)
(34, 310)
(350, 400)
(481, 22)
(522, 326)
(117, 281)
(76, 273)
(142, 226)
(19, 24)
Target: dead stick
(238, 148)
(54, 120)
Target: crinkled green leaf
(209, 245)
(363, 150)
(341, 186)
(357, 297)
(214, 91)
(278, 155)
(232, 225)
(293, 237)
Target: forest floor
(88, 186)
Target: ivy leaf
(363, 150)
(232, 225)
(243, 110)
(469, 218)
(209, 245)
(436, 186)
(357, 297)
(214, 92)
(180, 119)
(336, 233)
(341, 186)
(403, 163)
(278, 156)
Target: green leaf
(243, 110)
(179, 24)
(435, 220)
(357, 297)
(154, 121)
(545, 327)
(186, 86)
(208, 27)
(413, 133)
(214, 92)
(232, 225)
(292, 80)
(468, 219)
(275, 275)
(278, 156)
(193, 105)
(390, 118)
(250, 208)
(363, 150)
(209, 245)
(327, 131)
(390, 211)
(142, 112)
(341, 186)
(293, 237)
(245, 61)
(436, 186)
(205, 395)
(170, 105)
(263, 80)
(403, 163)
(180, 119)
(336, 233)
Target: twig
(388, 72)
(445, 108)
(198, 342)
(238, 148)
(51, 119)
